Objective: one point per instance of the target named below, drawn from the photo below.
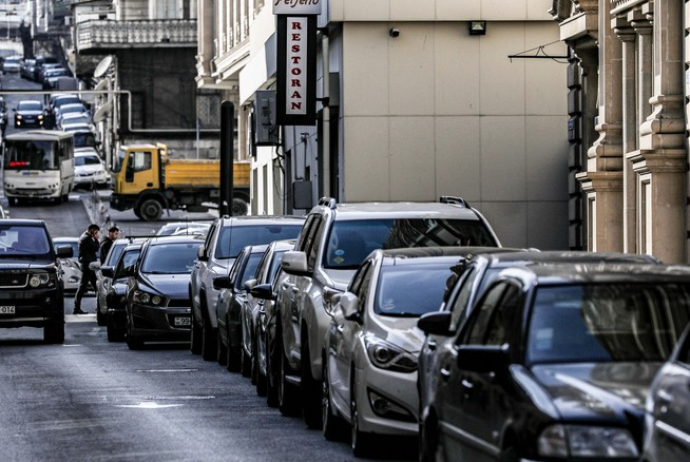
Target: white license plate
(7, 310)
(182, 321)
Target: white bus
(38, 164)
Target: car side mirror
(482, 359)
(349, 305)
(436, 323)
(201, 253)
(95, 265)
(108, 271)
(249, 284)
(221, 282)
(263, 292)
(295, 262)
(64, 252)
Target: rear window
(170, 258)
(410, 291)
(232, 240)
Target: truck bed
(202, 173)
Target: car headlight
(41, 280)
(385, 355)
(19, 116)
(146, 298)
(584, 441)
(40, 117)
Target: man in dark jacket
(88, 253)
(107, 241)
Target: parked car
(76, 122)
(158, 305)
(33, 293)
(26, 69)
(335, 240)
(371, 346)
(183, 227)
(28, 113)
(261, 305)
(103, 282)
(555, 362)
(667, 427)
(116, 296)
(51, 76)
(230, 309)
(89, 169)
(475, 274)
(71, 270)
(12, 64)
(70, 108)
(224, 241)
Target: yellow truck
(146, 180)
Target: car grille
(12, 281)
(180, 303)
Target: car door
(671, 399)
(473, 401)
(345, 336)
(199, 272)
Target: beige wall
(436, 111)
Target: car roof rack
(454, 200)
(328, 202)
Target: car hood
(88, 169)
(402, 332)
(596, 390)
(339, 279)
(170, 285)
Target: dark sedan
(668, 409)
(555, 362)
(158, 304)
(28, 113)
(116, 291)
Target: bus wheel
(150, 210)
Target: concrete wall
(436, 111)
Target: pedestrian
(107, 242)
(88, 253)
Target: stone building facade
(629, 113)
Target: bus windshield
(30, 155)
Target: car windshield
(80, 161)
(351, 241)
(82, 139)
(172, 258)
(17, 240)
(607, 322)
(29, 106)
(233, 239)
(410, 291)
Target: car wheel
(332, 425)
(114, 334)
(133, 342)
(221, 351)
(361, 442)
(312, 397)
(271, 386)
(288, 394)
(54, 333)
(195, 340)
(208, 340)
(150, 210)
(100, 318)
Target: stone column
(205, 41)
(627, 35)
(603, 180)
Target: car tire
(288, 394)
(332, 424)
(54, 333)
(100, 317)
(195, 336)
(221, 351)
(114, 334)
(360, 442)
(150, 210)
(312, 390)
(208, 340)
(133, 343)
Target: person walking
(88, 253)
(107, 242)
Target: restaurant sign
(297, 7)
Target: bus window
(31, 154)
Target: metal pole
(227, 137)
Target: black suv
(31, 292)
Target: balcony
(104, 36)
(620, 6)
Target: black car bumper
(31, 308)
(161, 323)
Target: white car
(372, 344)
(12, 64)
(70, 108)
(89, 169)
(71, 270)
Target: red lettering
(296, 71)
(296, 60)
(296, 37)
(296, 106)
(296, 48)
(295, 83)
(296, 95)
(296, 25)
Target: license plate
(7, 310)
(182, 321)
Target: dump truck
(148, 181)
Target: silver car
(71, 270)
(371, 346)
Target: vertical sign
(296, 70)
